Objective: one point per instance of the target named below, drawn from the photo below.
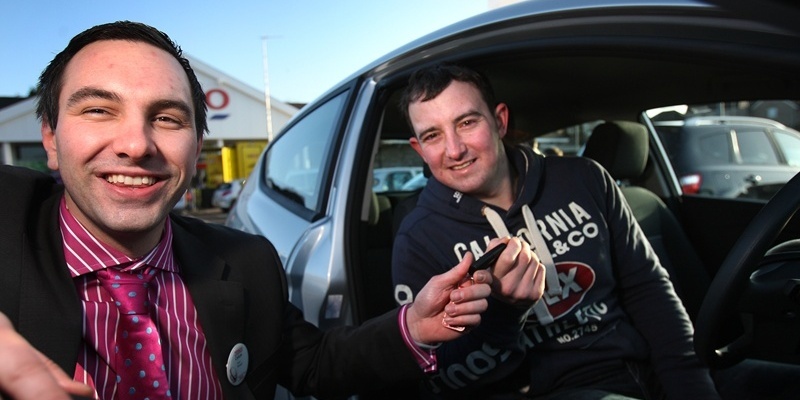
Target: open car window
(741, 149)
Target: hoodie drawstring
(539, 246)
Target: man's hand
(452, 298)
(518, 276)
(25, 373)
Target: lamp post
(267, 97)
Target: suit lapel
(39, 296)
(219, 302)
(50, 315)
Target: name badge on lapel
(237, 364)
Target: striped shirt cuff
(426, 357)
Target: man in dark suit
(123, 118)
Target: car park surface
(562, 67)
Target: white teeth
(462, 166)
(130, 180)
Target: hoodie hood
(529, 168)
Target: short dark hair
(51, 79)
(428, 82)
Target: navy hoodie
(612, 300)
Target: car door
(287, 200)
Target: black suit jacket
(237, 284)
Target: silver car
(563, 67)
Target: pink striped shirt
(186, 355)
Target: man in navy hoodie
(609, 324)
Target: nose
(454, 147)
(134, 140)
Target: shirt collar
(84, 253)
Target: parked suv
(556, 64)
(731, 156)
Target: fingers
(533, 291)
(474, 301)
(66, 383)
(517, 252)
(427, 318)
(468, 321)
(518, 275)
(539, 281)
(23, 375)
(456, 276)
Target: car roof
(559, 63)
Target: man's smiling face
(460, 139)
(125, 143)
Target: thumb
(456, 275)
(63, 380)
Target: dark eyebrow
(90, 92)
(181, 106)
(470, 113)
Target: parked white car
(224, 197)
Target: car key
(484, 262)
(488, 259)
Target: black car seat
(376, 279)
(621, 147)
(408, 203)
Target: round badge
(237, 364)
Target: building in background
(237, 123)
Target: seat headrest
(378, 204)
(621, 147)
(374, 209)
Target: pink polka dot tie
(140, 369)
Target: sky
(311, 44)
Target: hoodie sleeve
(489, 353)
(651, 302)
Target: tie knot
(128, 289)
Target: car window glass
(726, 150)
(742, 149)
(294, 163)
(755, 148)
(713, 147)
(790, 146)
(397, 168)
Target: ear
(417, 146)
(50, 145)
(199, 148)
(197, 153)
(501, 119)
